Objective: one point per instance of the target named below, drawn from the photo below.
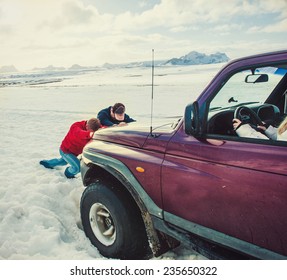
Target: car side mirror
(256, 78)
(191, 119)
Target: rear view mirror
(256, 78)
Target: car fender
(120, 172)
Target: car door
(227, 190)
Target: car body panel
(230, 188)
(135, 159)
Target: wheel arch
(110, 170)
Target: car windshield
(247, 87)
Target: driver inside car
(245, 130)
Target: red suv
(196, 182)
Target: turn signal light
(140, 169)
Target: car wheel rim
(102, 224)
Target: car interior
(270, 111)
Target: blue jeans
(65, 159)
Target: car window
(238, 91)
(248, 88)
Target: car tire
(113, 223)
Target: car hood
(131, 134)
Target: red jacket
(76, 138)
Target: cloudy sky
(38, 33)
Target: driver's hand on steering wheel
(236, 123)
(261, 127)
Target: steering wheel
(246, 115)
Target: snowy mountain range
(8, 68)
(192, 58)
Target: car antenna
(152, 84)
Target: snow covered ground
(39, 208)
